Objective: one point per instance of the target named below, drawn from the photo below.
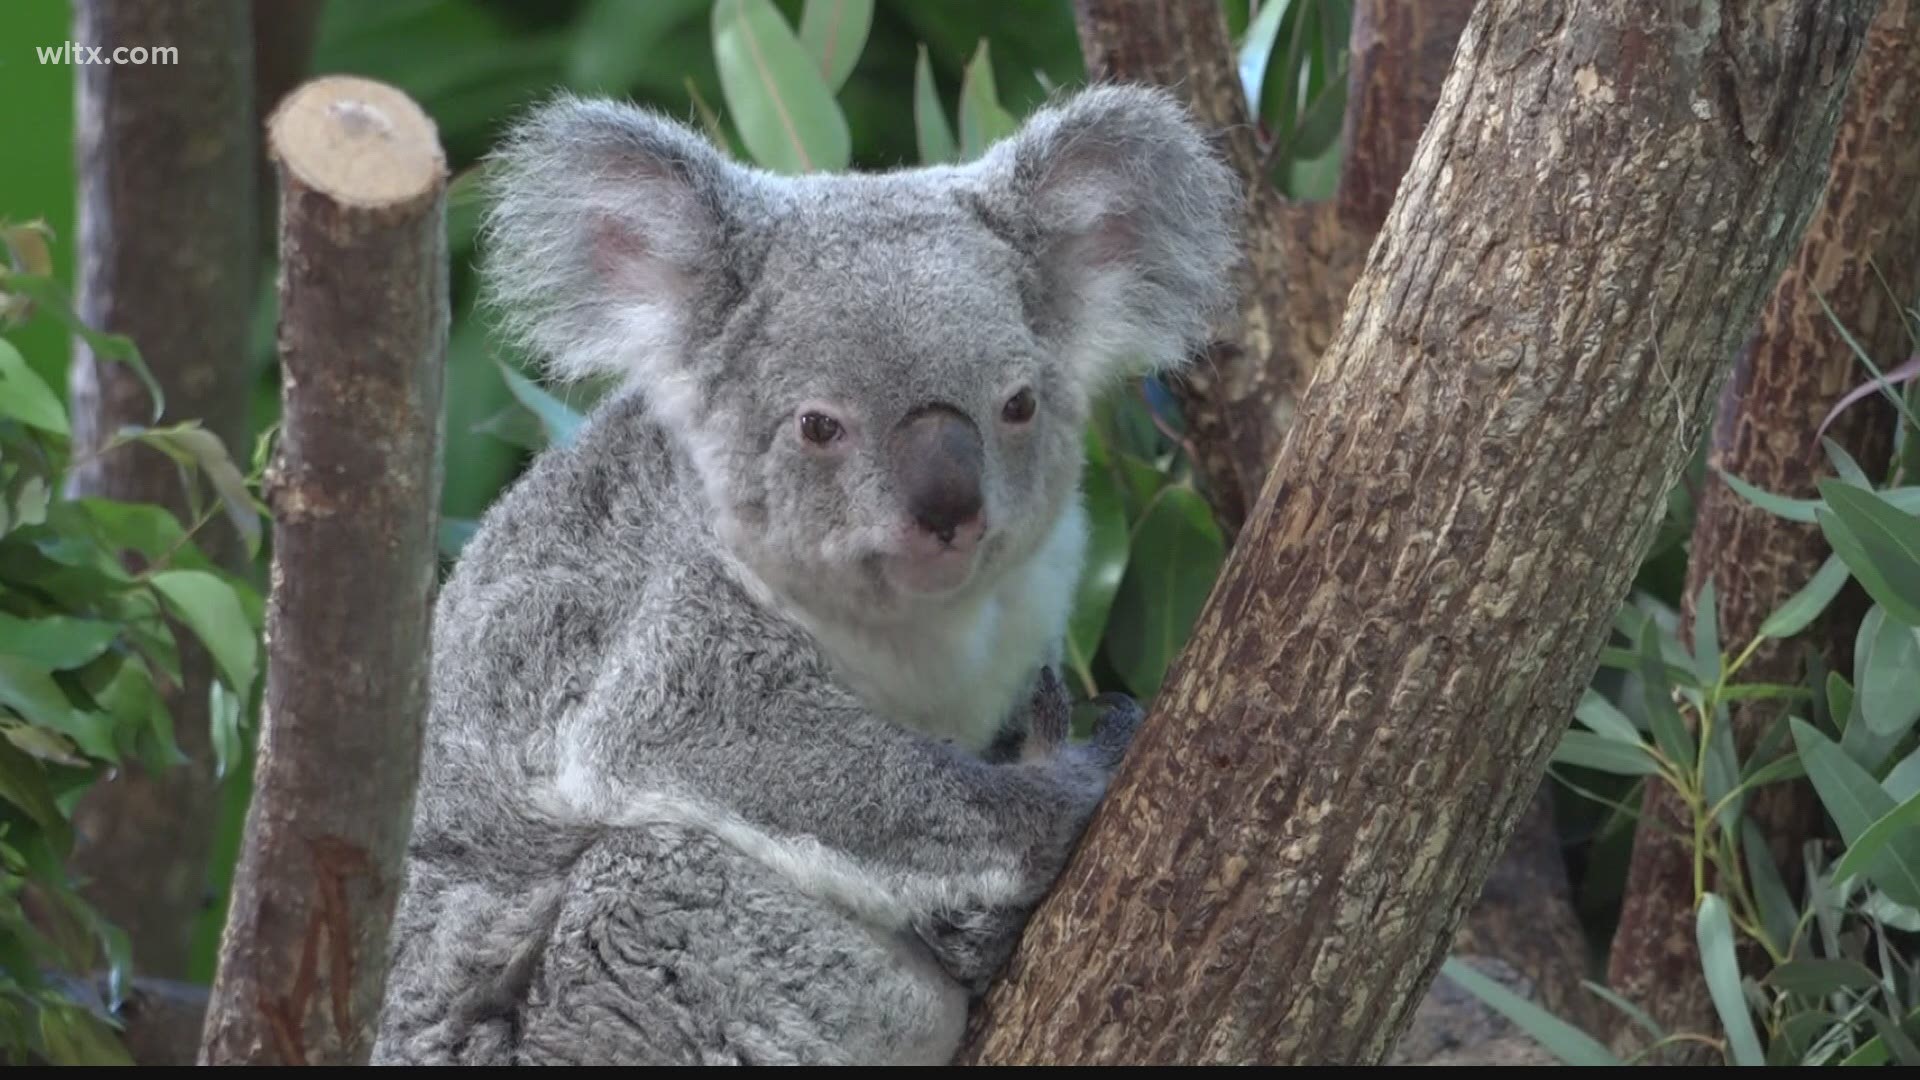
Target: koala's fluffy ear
(1134, 217)
(606, 231)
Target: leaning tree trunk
(1298, 282)
(1602, 199)
(354, 491)
(1862, 254)
(167, 257)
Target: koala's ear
(606, 230)
(1133, 216)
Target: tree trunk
(1400, 56)
(1862, 254)
(354, 491)
(1605, 195)
(167, 257)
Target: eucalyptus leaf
(1713, 929)
(1804, 606)
(783, 109)
(835, 32)
(1556, 1036)
(1880, 544)
(983, 121)
(1604, 754)
(1889, 689)
(932, 133)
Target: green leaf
(1856, 804)
(930, 128)
(57, 642)
(74, 1036)
(1600, 717)
(1177, 550)
(28, 689)
(783, 109)
(1861, 853)
(1848, 469)
(558, 420)
(834, 32)
(223, 720)
(1101, 573)
(1738, 692)
(38, 742)
(212, 611)
(1706, 634)
(1777, 911)
(25, 396)
(1256, 51)
(1880, 544)
(1559, 1038)
(1903, 780)
(1714, 931)
(1669, 730)
(1722, 774)
(1627, 1008)
(1874, 1050)
(982, 120)
(48, 296)
(1889, 690)
(25, 786)
(191, 444)
(1605, 754)
(614, 41)
(1817, 978)
(1806, 605)
(1801, 510)
(454, 535)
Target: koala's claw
(1119, 721)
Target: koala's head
(882, 379)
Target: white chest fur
(958, 676)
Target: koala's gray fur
(704, 781)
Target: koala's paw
(1119, 722)
(972, 946)
(1049, 715)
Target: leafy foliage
(93, 594)
(1839, 978)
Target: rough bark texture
(1862, 253)
(1301, 258)
(1400, 56)
(166, 256)
(1604, 197)
(354, 487)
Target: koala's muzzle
(937, 458)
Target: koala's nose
(938, 458)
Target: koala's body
(712, 768)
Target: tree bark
(1400, 55)
(354, 491)
(1603, 198)
(1302, 258)
(1862, 254)
(284, 32)
(166, 256)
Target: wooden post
(354, 490)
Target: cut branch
(354, 491)
(167, 230)
(1603, 199)
(1862, 255)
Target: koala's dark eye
(819, 428)
(1019, 407)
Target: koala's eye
(1019, 407)
(819, 428)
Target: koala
(717, 767)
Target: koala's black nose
(937, 455)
